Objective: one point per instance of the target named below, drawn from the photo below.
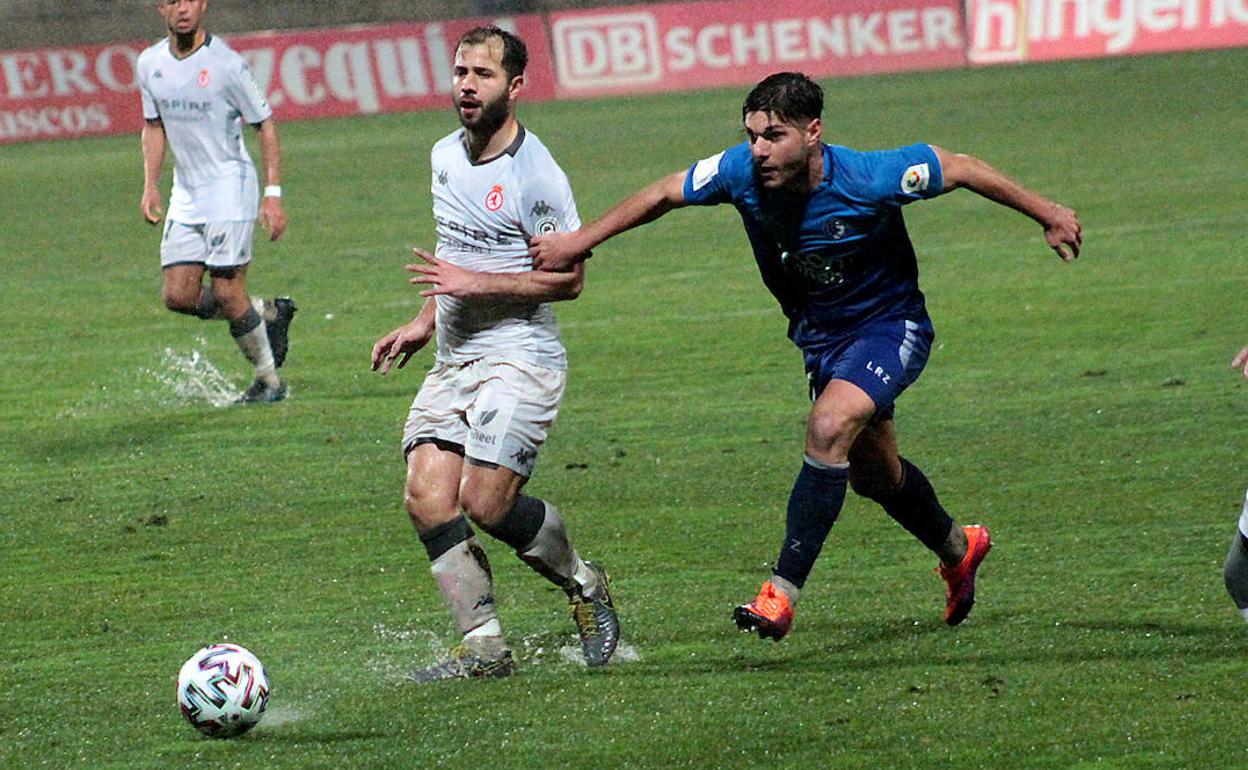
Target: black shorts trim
(440, 443)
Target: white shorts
(494, 411)
(214, 245)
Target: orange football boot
(770, 614)
(960, 581)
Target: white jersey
(203, 101)
(486, 213)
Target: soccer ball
(223, 690)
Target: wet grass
(1084, 412)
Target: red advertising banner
(1037, 30)
(700, 44)
(91, 90)
(85, 91)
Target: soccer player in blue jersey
(827, 232)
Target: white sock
(463, 577)
(490, 627)
(255, 346)
(786, 588)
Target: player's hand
(150, 207)
(443, 277)
(1240, 361)
(403, 341)
(555, 252)
(273, 217)
(1063, 232)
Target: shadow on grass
(993, 641)
(303, 734)
(106, 435)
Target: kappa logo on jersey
(916, 178)
(441, 176)
(494, 198)
(835, 228)
(203, 78)
(541, 209)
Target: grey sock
(552, 554)
(1235, 571)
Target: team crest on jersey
(203, 78)
(494, 198)
(916, 178)
(835, 228)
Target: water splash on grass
(192, 378)
(178, 378)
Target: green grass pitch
(1085, 412)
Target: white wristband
(272, 191)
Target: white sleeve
(244, 94)
(548, 205)
(150, 111)
(149, 104)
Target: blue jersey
(839, 256)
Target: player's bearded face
(481, 87)
(780, 150)
(483, 116)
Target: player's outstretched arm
(559, 251)
(1061, 225)
(272, 215)
(1240, 361)
(442, 277)
(153, 143)
(405, 340)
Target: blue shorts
(883, 358)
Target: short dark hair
(790, 96)
(515, 55)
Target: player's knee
(484, 508)
(829, 431)
(425, 505)
(181, 299)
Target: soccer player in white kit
(475, 428)
(196, 94)
(1235, 568)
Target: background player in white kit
(1235, 568)
(475, 428)
(196, 94)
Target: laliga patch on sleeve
(916, 178)
(705, 171)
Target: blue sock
(814, 504)
(914, 506)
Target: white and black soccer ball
(223, 690)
